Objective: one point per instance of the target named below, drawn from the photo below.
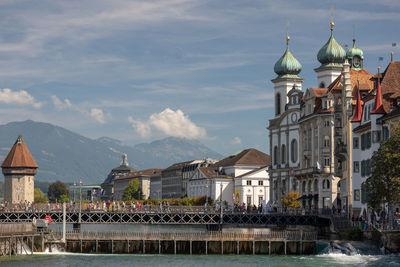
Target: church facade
(311, 134)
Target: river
(367, 254)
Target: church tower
(287, 68)
(19, 169)
(331, 56)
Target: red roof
(19, 156)
(358, 111)
(378, 107)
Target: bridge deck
(182, 218)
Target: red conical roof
(19, 156)
(378, 108)
(358, 112)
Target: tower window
(293, 150)
(278, 104)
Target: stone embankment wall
(390, 240)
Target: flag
(380, 58)
(394, 44)
(318, 166)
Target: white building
(237, 179)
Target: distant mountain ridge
(67, 156)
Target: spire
(378, 107)
(124, 160)
(358, 111)
(19, 156)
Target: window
(376, 136)
(248, 200)
(304, 187)
(293, 150)
(309, 186)
(260, 199)
(278, 104)
(322, 85)
(356, 194)
(326, 123)
(248, 182)
(275, 155)
(355, 143)
(315, 185)
(283, 154)
(356, 166)
(327, 162)
(260, 182)
(385, 133)
(366, 141)
(326, 141)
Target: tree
(383, 186)
(132, 190)
(56, 190)
(290, 200)
(39, 197)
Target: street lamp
(80, 199)
(74, 191)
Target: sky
(139, 71)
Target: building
(144, 176)
(237, 179)
(375, 114)
(320, 123)
(188, 171)
(19, 169)
(108, 184)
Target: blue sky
(143, 70)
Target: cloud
(21, 97)
(98, 115)
(236, 141)
(95, 113)
(169, 122)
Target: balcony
(341, 149)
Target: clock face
(294, 117)
(356, 61)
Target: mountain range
(69, 157)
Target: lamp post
(74, 191)
(80, 200)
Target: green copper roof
(287, 66)
(354, 51)
(331, 53)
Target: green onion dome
(287, 66)
(331, 53)
(354, 51)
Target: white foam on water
(353, 259)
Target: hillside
(67, 156)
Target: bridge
(167, 218)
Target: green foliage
(39, 197)
(290, 200)
(56, 190)
(383, 186)
(64, 198)
(354, 233)
(132, 190)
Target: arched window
(275, 155)
(323, 184)
(293, 150)
(315, 185)
(304, 187)
(278, 104)
(322, 85)
(328, 185)
(283, 154)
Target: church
(311, 135)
